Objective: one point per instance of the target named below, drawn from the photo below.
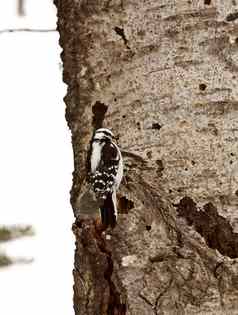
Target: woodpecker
(106, 172)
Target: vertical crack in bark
(125, 204)
(115, 306)
(120, 31)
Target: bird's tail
(108, 211)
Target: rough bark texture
(162, 74)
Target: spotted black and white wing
(104, 179)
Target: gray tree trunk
(163, 75)
(20, 7)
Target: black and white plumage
(106, 171)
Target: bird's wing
(104, 178)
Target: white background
(36, 164)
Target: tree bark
(162, 75)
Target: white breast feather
(95, 157)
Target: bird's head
(103, 134)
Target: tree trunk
(162, 75)
(20, 7)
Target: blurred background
(36, 165)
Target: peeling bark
(161, 75)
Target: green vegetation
(8, 233)
(4, 260)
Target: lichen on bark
(163, 77)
